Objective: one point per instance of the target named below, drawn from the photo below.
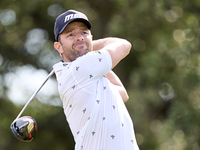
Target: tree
(161, 73)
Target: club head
(24, 128)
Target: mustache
(79, 42)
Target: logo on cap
(73, 16)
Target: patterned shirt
(93, 107)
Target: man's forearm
(101, 43)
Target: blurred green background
(161, 73)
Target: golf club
(25, 128)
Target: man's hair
(59, 40)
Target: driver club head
(24, 128)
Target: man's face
(74, 41)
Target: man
(93, 96)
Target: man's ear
(58, 47)
(91, 36)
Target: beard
(73, 53)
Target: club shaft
(31, 98)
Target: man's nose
(79, 37)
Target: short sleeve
(92, 66)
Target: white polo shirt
(94, 109)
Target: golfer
(92, 95)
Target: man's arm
(118, 84)
(117, 48)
